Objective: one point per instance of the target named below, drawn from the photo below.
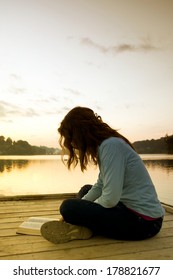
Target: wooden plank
(21, 219)
(38, 196)
(43, 245)
(168, 208)
(25, 204)
(23, 239)
(20, 239)
(30, 202)
(168, 217)
(167, 224)
(15, 224)
(116, 249)
(29, 214)
(164, 254)
(27, 208)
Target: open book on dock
(33, 224)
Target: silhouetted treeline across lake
(20, 147)
(163, 145)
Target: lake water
(23, 175)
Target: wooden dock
(14, 246)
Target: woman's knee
(67, 207)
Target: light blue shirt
(124, 177)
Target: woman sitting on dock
(123, 203)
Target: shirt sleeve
(95, 191)
(112, 167)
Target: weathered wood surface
(24, 247)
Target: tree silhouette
(20, 147)
(169, 142)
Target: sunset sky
(114, 56)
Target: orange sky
(113, 56)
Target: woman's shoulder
(111, 144)
(112, 140)
(116, 144)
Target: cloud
(144, 46)
(15, 77)
(90, 43)
(63, 110)
(74, 92)
(54, 99)
(15, 87)
(17, 90)
(8, 110)
(2, 111)
(7, 121)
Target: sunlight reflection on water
(21, 175)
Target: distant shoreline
(9, 147)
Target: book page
(33, 224)
(40, 219)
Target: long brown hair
(83, 130)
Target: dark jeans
(117, 222)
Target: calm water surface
(20, 175)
